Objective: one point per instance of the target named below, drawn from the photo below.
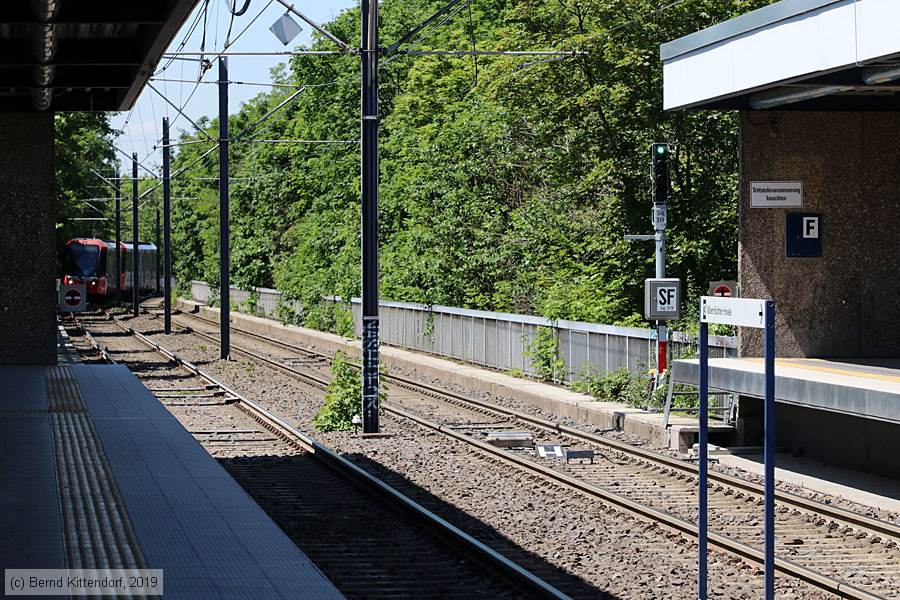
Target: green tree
(507, 183)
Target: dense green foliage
(504, 186)
(342, 399)
(616, 386)
(543, 351)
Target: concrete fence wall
(495, 339)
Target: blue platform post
(769, 422)
(702, 522)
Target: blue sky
(142, 126)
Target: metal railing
(495, 339)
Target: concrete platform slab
(869, 490)
(867, 389)
(95, 473)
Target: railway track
(838, 551)
(320, 499)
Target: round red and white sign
(723, 291)
(72, 298)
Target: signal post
(662, 297)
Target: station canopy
(791, 55)
(82, 55)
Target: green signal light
(660, 149)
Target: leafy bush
(285, 312)
(543, 351)
(616, 386)
(343, 323)
(251, 304)
(343, 399)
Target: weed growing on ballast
(343, 399)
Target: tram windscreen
(82, 261)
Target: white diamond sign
(285, 29)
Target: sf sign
(662, 299)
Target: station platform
(95, 473)
(841, 412)
(863, 388)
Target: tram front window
(82, 261)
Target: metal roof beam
(85, 52)
(95, 11)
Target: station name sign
(776, 194)
(740, 312)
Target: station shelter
(58, 56)
(817, 87)
(95, 473)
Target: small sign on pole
(72, 298)
(662, 299)
(660, 217)
(741, 312)
(724, 289)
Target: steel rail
(720, 541)
(872, 525)
(494, 562)
(717, 540)
(102, 350)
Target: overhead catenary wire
(416, 36)
(257, 53)
(206, 64)
(424, 25)
(139, 163)
(292, 86)
(560, 53)
(184, 40)
(258, 141)
(180, 112)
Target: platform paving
(866, 489)
(181, 511)
(866, 389)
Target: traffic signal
(659, 172)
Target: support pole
(224, 262)
(769, 424)
(703, 461)
(118, 239)
(369, 177)
(662, 331)
(167, 228)
(135, 243)
(158, 248)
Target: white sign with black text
(662, 299)
(776, 194)
(740, 312)
(659, 216)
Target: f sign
(811, 227)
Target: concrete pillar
(843, 304)
(27, 240)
